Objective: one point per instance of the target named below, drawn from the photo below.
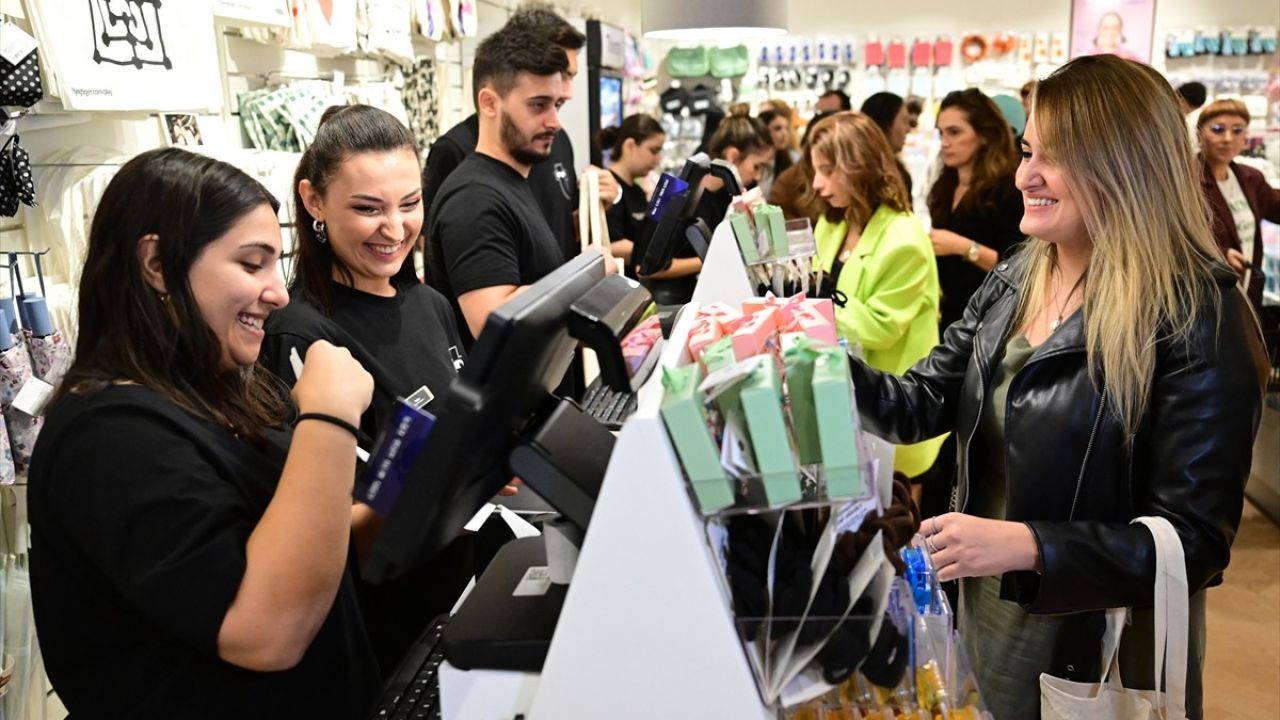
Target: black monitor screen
(610, 101)
(665, 228)
(519, 358)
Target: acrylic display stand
(647, 630)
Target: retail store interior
(691, 420)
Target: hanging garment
(465, 21)
(285, 118)
(384, 95)
(421, 103)
(332, 26)
(384, 29)
(430, 20)
(69, 183)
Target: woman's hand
(1237, 261)
(511, 488)
(947, 243)
(333, 383)
(969, 546)
(609, 187)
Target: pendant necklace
(1057, 322)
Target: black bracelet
(339, 422)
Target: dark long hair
(994, 164)
(127, 332)
(344, 131)
(638, 127)
(883, 108)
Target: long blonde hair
(1134, 174)
(861, 154)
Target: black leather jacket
(1070, 476)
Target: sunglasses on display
(1219, 128)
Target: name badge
(420, 398)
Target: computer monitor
(611, 107)
(671, 217)
(519, 358)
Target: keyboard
(414, 692)
(609, 407)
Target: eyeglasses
(1220, 128)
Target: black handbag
(16, 183)
(20, 84)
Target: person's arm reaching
(477, 304)
(297, 552)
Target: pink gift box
(728, 318)
(785, 307)
(812, 323)
(823, 307)
(757, 335)
(748, 200)
(705, 332)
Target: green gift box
(769, 220)
(685, 416)
(761, 399)
(837, 429)
(798, 356)
(746, 236)
(718, 354)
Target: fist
(334, 383)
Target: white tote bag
(592, 226)
(1108, 699)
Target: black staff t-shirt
(485, 229)
(553, 182)
(993, 222)
(626, 217)
(406, 342)
(140, 516)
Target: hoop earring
(321, 236)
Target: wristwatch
(972, 253)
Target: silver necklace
(1057, 322)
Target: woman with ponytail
(634, 150)
(358, 203)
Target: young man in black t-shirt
(552, 181)
(487, 239)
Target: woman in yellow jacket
(878, 254)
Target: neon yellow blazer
(891, 284)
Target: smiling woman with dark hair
(358, 201)
(187, 552)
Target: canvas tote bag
(1108, 699)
